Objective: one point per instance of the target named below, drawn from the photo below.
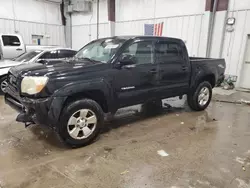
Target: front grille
(12, 81)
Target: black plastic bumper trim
(13, 103)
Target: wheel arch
(209, 78)
(95, 94)
(98, 90)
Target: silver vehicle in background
(12, 46)
(48, 54)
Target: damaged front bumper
(42, 111)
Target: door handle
(19, 49)
(129, 66)
(153, 71)
(184, 68)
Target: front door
(134, 84)
(245, 78)
(174, 70)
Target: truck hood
(8, 63)
(55, 68)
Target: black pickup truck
(107, 74)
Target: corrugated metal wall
(84, 33)
(132, 15)
(235, 41)
(187, 27)
(54, 33)
(31, 17)
(84, 27)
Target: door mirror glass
(127, 59)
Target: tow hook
(28, 124)
(25, 118)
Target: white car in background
(49, 54)
(12, 46)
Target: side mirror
(42, 61)
(127, 59)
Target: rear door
(136, 83)
(12, 46)
(174, 70)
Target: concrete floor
(205, 149)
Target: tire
(3, 84)
(87, 130)
(199, 104)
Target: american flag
(153, 29)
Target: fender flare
(200, 75)
(88, 85)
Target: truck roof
(50, 49)
(127, 37)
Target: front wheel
(200, 97)
(80, 122)
(3, 84)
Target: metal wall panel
(84, 27)
(53, 34)
(239, 5)
(147, 9)
(187, 28)
(235, 42)
(83, 34)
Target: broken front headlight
(33, 84)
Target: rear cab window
(10, 40)
(168, 52)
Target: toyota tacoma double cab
(73, 96)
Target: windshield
(28, 56)
(100, 50)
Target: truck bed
(202, 58)
(208, 66)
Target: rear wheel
(3, 84)
(80, 122)
(200, 97)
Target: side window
(49, 55)
(65, 53)
(168, 51)
(142, 51)
(10, 40)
